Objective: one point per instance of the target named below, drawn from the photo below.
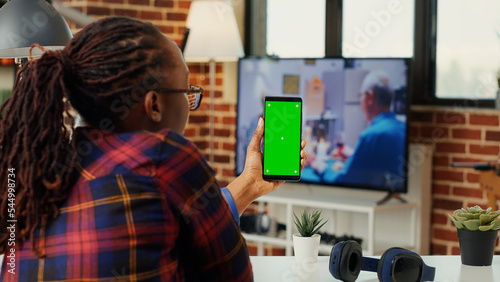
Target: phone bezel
(282, 177)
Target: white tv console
(355, 211)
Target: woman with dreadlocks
(126, 196)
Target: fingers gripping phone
(282, 136)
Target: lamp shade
(25, 22)
(213, 32)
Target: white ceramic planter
(306, 248)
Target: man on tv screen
(379, 153)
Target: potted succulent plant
(477, 231)
(306, 241)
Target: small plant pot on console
(306, 248)
(477, 247)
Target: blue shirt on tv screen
(378, 158)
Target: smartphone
(282, 136)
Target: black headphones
(345, 260)
(396, 264)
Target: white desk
(448, 269)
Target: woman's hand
(250, 185)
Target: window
(296, 28)
(467, 49)
(369, 28)
(377, 28)
(454, 44)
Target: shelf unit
(356, 212)
(292, 199)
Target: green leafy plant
(476, 219)
(309, 223)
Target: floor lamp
(213, 36)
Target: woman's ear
(152, 107)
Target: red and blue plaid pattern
(146, 206)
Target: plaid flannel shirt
(146, 206)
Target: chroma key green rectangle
(282, 136)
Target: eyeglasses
(194, 95)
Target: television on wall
(354, 119)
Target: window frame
(423, 63)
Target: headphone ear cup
(380, 264)
(334, 264)
(350, 261)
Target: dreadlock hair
(105, 66)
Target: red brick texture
(458, 135)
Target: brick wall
(459, 134)
(168, 16)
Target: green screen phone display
(282, 135)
